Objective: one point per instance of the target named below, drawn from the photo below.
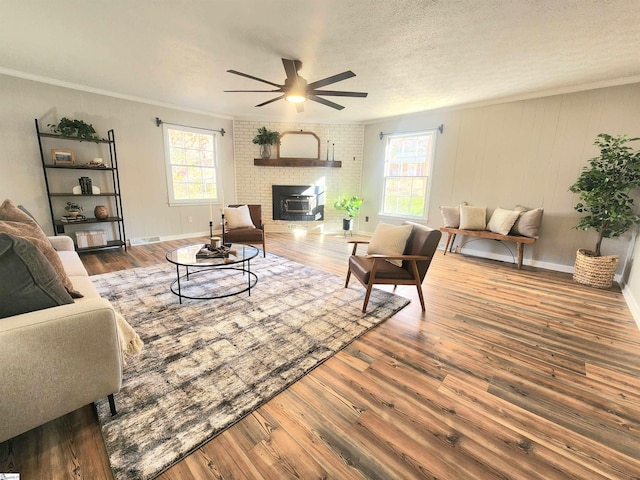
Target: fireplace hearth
(298, 203)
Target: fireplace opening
(297, 203)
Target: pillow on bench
(502, 220)
(473, 218)
(451, 215)
(528, 222)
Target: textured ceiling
(409, 55)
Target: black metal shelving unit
(111, 171)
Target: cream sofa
(56, 360)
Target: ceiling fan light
(295, 97)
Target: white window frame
(168, 167)
(430, 162)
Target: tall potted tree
(351, 206)
(604, 190)
(265, 138)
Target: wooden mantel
(295, 162)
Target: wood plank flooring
(508, 375)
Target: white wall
(254, 183)
(525, 152)
(139, 146)
(631, 280)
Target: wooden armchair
(374, 269)
(248, 235)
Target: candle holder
(224, 244)
(211, 246)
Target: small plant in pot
(351, 205)
(265, 138)
(604, 190)
(73, 209)
(70, 128)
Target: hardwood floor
(508, 374)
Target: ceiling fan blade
(333, 79)
(335, 93)
(290, 68)
(324, 101)
(254, 78)
(261, 91)
(270, 101)
(300, 107)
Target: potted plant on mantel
(603, 188)
(352, 207)
(265, 138)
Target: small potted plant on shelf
(607, 207)
(351, 205)
(265, 138)
(73, 209)
(69, 128)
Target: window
(407, 173)
(191, 160)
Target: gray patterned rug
(208, 363)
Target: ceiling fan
(297, 90)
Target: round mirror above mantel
(297, 149)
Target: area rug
(208, 363)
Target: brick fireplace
(254, 183)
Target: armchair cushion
(389, 240)
(239, 217)
(361, 267)
(244, 234)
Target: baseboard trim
(632, 304)
(166, 238)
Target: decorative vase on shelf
(265, 151)
(101, 212)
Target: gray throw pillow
(17, 223)
(28, 282)
(528, 223)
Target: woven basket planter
(594, 271)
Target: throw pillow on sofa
(389, 240)
(28, 282)
(17, 223)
